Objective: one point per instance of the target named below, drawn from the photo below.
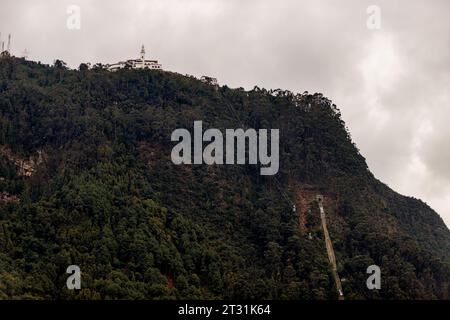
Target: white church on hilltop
(141, 63)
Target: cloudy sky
(392, 84)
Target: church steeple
(143, 53)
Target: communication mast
(9, 42)
(25, 53)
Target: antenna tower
(25, 54)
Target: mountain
(87, 180)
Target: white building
(141, 63)
(209, 80)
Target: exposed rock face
(26, 167)
(6, 198)
(305, 196)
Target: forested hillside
(87, 180)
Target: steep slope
(107, 197)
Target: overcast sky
(392, 84)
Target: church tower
(143, 56)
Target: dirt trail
(330, 250)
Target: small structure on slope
(209, 80)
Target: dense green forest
(99, 191)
